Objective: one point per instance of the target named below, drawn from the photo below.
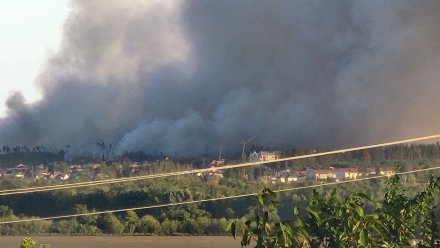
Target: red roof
(324, 171)
(351, 170)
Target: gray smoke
(182, 77)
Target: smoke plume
(182, 77)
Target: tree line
(10, 155)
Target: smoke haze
(182, 77)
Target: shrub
(148, 224)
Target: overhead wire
(196, 171)
(215, 199)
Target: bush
(30, 243)
(65, 227)
(168, 227)
(87, 229)
(198, 225)
(148, 224)
(111, 224)
(217, 226)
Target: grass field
(126, 241)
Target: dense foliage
(334, 221)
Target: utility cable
(215, 199)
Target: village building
(60, 177)
(268, 156)
(387, 171)
(18, 171)
(287, 176)
(325, 174)
(371, 171)
(263, 156)
(348, 173)
(213, 174)
(218, 162)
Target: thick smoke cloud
(183, 77)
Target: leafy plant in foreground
(332, 221)
(30, 243)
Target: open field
(126, 241)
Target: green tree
(131, 222)
(85, 219)
(66, 227)
(111, 224)
(148, 224)
(168, 227)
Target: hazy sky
(182, 77)
(30, 31)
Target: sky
(30, 31)
(184, 77)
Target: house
(371, 171)
(297, 176)
(19, 174)
(75, 167)
(286, 176)
(268, 156)
(43, 175)
(18, 171)
(387, 171)
(219, 162)
(214, 175)
(348, 173)
(283, 176)
(60, 177)
(325, 174)
(135, 168)
(21, 166)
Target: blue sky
(30, 31)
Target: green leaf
(362, 196)
(340, 212)
(314, 213)
(295, 211)
(359, 210)
(232, 229)
(356, 226)
(261, 198)
(363, 237)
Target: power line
(195, 171)
(215, 199)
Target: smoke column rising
(182, 77)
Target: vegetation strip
(214, 199)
